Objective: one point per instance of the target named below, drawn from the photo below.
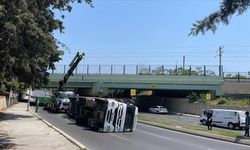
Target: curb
(71, 139)
(206, 135)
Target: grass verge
(192, 128)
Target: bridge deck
(162, 79)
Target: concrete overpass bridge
(99, 82)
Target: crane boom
(72, 67)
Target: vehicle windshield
(66, 95)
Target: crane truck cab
(62, 100)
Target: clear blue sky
(153, 32)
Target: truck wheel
(230, 126)
(100, 130)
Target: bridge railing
(237, 76)
(191, 70)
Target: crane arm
(72, 67)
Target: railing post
(64, 69)
(238, 77)
(76, 70)
(190, 70)
(176, 70)
(87, 69)
(111, 69)
(53, 71)
(124, 69)
(162, 70)
(99, 69)
(205, 70)
(137, 68)
(149, 69)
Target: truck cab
(62, 100)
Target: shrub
(222, 101)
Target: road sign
(208, 96)
(133, 92)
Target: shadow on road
(84, 127)
(5, 141)
(10, 116)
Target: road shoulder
(238, 140)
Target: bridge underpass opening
(173, 100)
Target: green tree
(197, 71)
(236, 76)
(227, 9)
(27, 45)
(144, 70)
(160, 70)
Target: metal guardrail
(237, 76)
(191, 70)
(242, 75)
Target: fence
(237, 76)
(191, 70)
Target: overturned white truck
(103, 114)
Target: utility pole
(220, 52)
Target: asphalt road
(144, 138)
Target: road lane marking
(152, 134)
(179, 132)
(114, 134)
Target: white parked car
(158, 109)
(226, 118)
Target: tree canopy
(27, 45)
(227, 9)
